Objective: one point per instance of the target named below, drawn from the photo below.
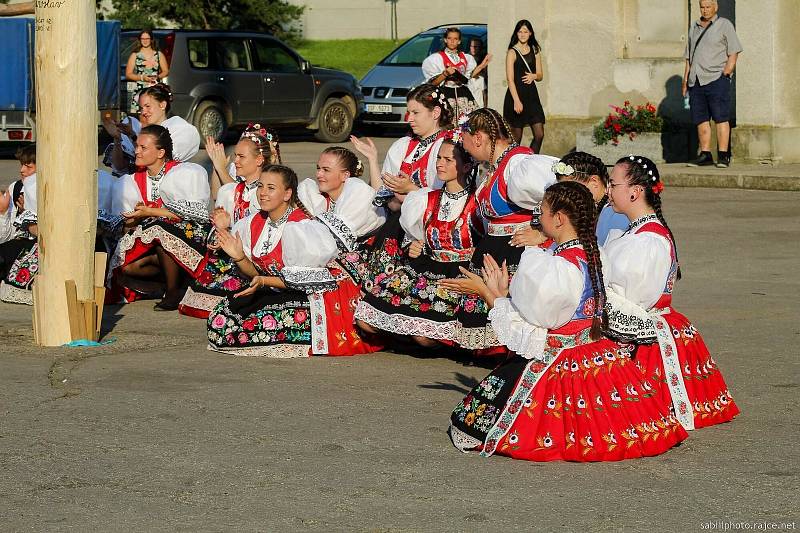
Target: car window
(232, 55)
(414, 51)
(272, 57)
(198, 53)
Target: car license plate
(379, 108)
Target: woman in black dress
(523, 68)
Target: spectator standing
(711, 54)
(146, 66)
(522, 106)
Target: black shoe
(705, 160)
(167, 304)
(723, 159)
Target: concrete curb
(760, 177)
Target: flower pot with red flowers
(626, 130)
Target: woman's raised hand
(230, 244)
(415, 249)
(216, 152)
(495, 277)
(220, 218)
(400, 184)
(365, 146)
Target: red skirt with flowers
(707, 392)
(590, 402)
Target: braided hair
(493, 124)
(643, 172)
(348, 159)
(266, 143)
(581, 166)
(575, 201)
(471, 181)
(431, 96)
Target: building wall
(342, 19)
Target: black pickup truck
(221, 79)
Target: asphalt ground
(155, 433)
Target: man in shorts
(711, 53)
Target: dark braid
(575, 201)
(643, 172)
(585, 165)
(492, 123)
(348, 159)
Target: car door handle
(222, 78)
(269, 80)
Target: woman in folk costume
(410, 165)
(226, 172)
(155, 102)
(567, 393)
(508, 199)
(165, 211)
(235, 201)
(439, 224)
(302, 297)
(451, 69)
(642, 267)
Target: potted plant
(626, 130)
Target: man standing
(711, 53)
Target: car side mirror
(305, 66)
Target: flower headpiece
(463, 124)
(258, 135)
(562, 169)
(656, 185)
(454, 135)
(438, 96)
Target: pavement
(152, 432)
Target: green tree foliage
(274, 16)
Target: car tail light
(29, 135)
(16, 135)
(168, 46)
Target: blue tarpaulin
(16, 64)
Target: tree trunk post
(66, 160)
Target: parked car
(223, 79)
(387, 84)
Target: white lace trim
(462, 441)
(275, 351)
(629, 322)
(188, 210)
(182, 252)
(515, 333)
(308, 279)
(319, 324)
(477, 338)
(200, 300)
(406, 325)
(15, 295)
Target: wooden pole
(66, 160)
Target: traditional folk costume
(18, 251)
(507, 200)
(562, 396)
(458, 95)
(220, 277)
(18, 283)
(319, 262)
(185, 143)
(407, 301)
(641, 273)
(416, 158)
(183, 189)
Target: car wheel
(209, 119)
(335, 121)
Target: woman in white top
(154, 102)
(165, 211)
(566, 393)
(642, 268)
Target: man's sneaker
(723, 159)
(704, 160)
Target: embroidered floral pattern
(287, 323)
